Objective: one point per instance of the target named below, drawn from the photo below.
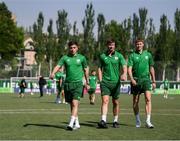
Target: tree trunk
(39, 69)
(164, 73)
(178, 74)
(50, 66)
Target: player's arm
(60, 82)
(100, 74)
(131, 75)
(56, 68)
(86, 75)
(124, 74)
(152, 72)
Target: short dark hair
(73, 43)
(93, 71)
(110, 40)
(139, 40)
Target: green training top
(166, 84)
(111, 66)
(140, 64)
(49, 83)
(92, 81)
(74, 66)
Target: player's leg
(136, 98)
(74, 98)
(105, 93)
(104, 111)
(116, 110)
(74, 114)
(148, 108)
(115, 93)
(93, 98)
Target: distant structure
(26, 58)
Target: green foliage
(63, 32)
(176, 55)
(11, 39)
(88, 25)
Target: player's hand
(87, 86)
(51, 76)
(153, 85)
(134, 83)
(123, 77)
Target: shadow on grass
(95, 124)
(45, 125)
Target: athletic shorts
(166, 88)
(73, 90)
(142, 86)
(91, 91)
(110, 88)
(22, 90)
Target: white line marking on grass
(64, 111)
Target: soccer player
(166, 87)
(22, 86)
(49, 87)
(140, 69)
(92, 84)
(31, 87)
(42, 82)
(109, 73)
(59, 77)
(76, 67)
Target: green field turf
(34, 118)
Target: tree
(39, 40)
(151, 41)
(135, 27)
(143, 22)
(88, 25)
(100, 35)
(177, 43)
(11, 39)
(139, 25)
(63, 32)
(126, 37)
(164, 45)
(50, 45)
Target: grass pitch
(34, 118)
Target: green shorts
(91, 90)
(142, 86)
(73, 90)
(110, 88)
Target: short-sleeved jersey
(92, 81)
(111, 65)
(140, 64)
(74, 66)
(49, 83)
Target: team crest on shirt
(146, 57)
(116, 58)
(78, 60)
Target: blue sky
(27, 11)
